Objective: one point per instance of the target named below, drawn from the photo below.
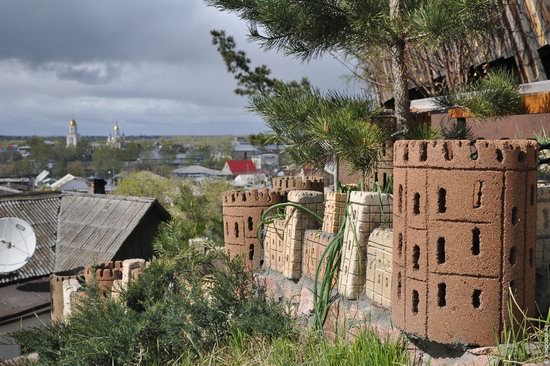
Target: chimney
(96, 185)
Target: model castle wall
(543, 249)
(461, 237)
(292, 183)
(315, 244)
(379, 267)
(383, 170)
(367, 211)
(111, 277)
(242, 213)
(296, 223)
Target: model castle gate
(464, 232)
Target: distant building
(238, 167)
(197, 172)
(243, 150)
(73, 138)
(116, 139)
(266, 161)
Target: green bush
(179, 308)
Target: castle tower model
(464, 235)
(73, 138)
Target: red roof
(241, 167)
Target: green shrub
(179, 308)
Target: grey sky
(147, 64)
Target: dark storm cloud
(148, 64)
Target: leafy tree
(309, 29)
(41, 152)
(107, 159)
(147, 184)
(76, 168)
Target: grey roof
(74, 229)
(92, 228)
(41, 211)
(244, 148)
(197, 170)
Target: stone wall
(273, 245)
(296, 223)
(315, 244)
(379, 267)
(242, 213)
(464, 232)
(335, 205)
(367, 211)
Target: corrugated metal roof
(74, 229)
(41, 211)
(92, 228)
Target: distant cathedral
(116, 139)
(73, 138)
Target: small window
(416, 257)
(415, 302)
(442, 200)
(416, 204)
(476, 241)
(251, 252)
(476, 299)
(441, 250)
(442, 295)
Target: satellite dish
(17, 243)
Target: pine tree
(310, 28)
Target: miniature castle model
(73, 138)
(116, 139)
(464, 234)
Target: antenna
(17, 243)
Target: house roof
(196, 170)
(92, 228)
(74, 229)
(41, 211)
(240, 147)
(237, 167)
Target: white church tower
(73, 138)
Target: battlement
(311, 183)
(104, 272)
(465, 154)
(254, 198)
